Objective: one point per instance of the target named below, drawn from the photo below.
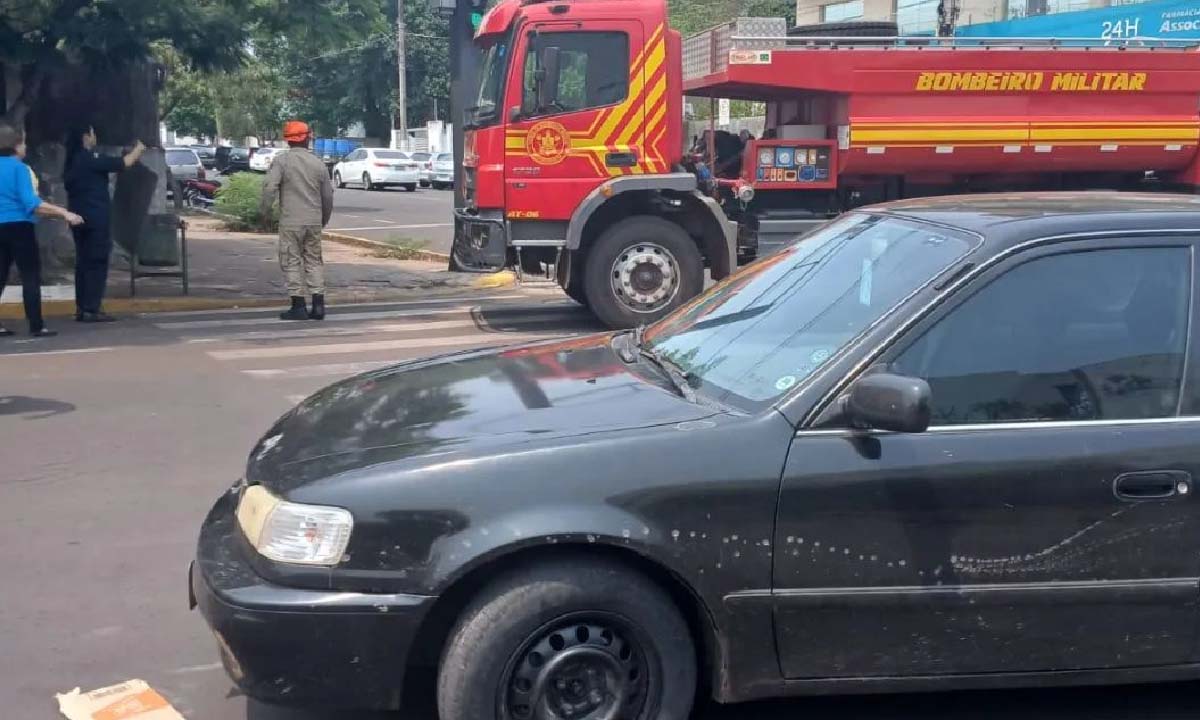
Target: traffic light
(476, 18)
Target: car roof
(1011, 218)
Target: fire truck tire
(639, 270)
(847, 29)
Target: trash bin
(158, 245)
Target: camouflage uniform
(300, 182)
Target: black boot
(297, 311)
(318, 308)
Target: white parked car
(260, 161)
(373, 168)
(424, 163)
(442, 175)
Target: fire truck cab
(575, 163)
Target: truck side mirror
(883, 401)
(547, 85)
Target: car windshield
(491, 85)
(181, 157)
(763, 331)
(444, 157)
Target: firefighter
(299, 182)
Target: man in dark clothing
(86, 179)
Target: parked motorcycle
(199, 193)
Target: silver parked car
(442, 174)
(184, 164)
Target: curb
(493, 281)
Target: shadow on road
(33, 408)
(1144, 702)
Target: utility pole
(402, 89)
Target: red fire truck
(574, 162)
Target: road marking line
(77, 351)
(207, 667)
(373, 346)
(378, 328)
(342, 317)
(339, 317)
(312, 371)
(382, 303)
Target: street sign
(723, 112)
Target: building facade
(919, 17)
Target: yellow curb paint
(502, 279)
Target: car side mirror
(883, 401)
(547, 86)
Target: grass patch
(402, 248)
(238, 200)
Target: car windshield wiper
(678, 376)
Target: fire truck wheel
(639, 270)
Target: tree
(209, 35)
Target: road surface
(394, 214)
(115, 440)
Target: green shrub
(238, 201)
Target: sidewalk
(242, 270)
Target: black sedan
(944, 443)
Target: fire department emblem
(548, 143)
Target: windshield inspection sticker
(785, 382)
(819, 356)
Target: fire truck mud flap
(480, 243)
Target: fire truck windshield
(491, 85)
(769, 327)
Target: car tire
(424, 183)
(337, 181)
(504, 653)
(367, 183)
(626, 248)
(411, 187)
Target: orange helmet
(295, 131)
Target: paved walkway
(242, 270)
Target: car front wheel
(564, 640)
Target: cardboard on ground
(131, 700)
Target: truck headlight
(289, 532)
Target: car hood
(465, 404)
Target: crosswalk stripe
(376, 328)
(340, 317)
(433, 301)
(348, 317)
(372, 346)
(44, 353)
(316, 371)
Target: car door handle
(622, 159)
(1152, 485)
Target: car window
(761, 332)
(356, 155)
(1097, 335)
(445, 157)
(421, 157)
(182, 157)
(388, 155)
(593, 70)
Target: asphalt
(115, 440)
(422, 218)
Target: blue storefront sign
(1164, 19)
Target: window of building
(916, 17)
(842, 11)
(593, 69)
(1112, 349)
(1030, 8)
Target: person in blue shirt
(86, 177)
(19, 206)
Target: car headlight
(289, 532)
